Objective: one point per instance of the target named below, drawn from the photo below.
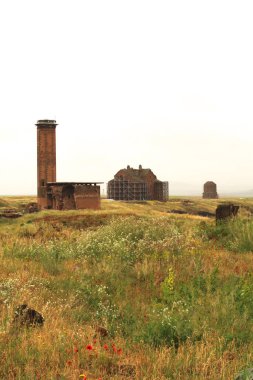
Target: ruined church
(137, 185)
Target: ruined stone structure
(226, 211)
(59, 195)
(73, 195)
(210, 190)
(137, 185)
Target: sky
(165, 84)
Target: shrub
(235, 235)
(165, 328)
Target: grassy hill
(134, 290)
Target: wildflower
(119, 351)
(106, 347)
(69, 362)
(94, 341)
(84, 377)
(89, 347)
(75, 349)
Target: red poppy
(75, 349)
(89, 347)
(69, 362)
(106, 347)
(119, 351)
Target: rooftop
(72, 183)
(135, 175)
(46, 122)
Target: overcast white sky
(166, 84)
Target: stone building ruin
(137, 185)
(59, 195)
(210, 190)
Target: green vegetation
(169, 296)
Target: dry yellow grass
(53, 288)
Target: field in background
(134, 288)
(189, 204)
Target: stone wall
(73, 196)
(87, 197)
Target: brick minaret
(46, 158)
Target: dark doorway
(68, 197)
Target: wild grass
(237, 235)
(172, 292)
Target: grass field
(131, 291)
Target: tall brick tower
(46, 158)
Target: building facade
(137, 185)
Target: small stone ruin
(210, 190)
(25, 316)
(226, 211)
(10, 213)
(31, 207)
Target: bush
(235, 235)
(164, 328)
